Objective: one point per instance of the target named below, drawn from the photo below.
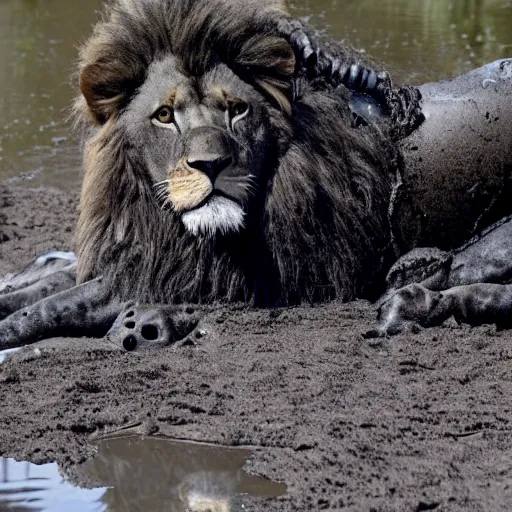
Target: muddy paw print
(140, 327)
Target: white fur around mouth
(218, 214)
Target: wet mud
(422, 422)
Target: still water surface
(133, 474)
(419, 40)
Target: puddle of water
(5, 353)
(135, 474)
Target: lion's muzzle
(188, 187)
(207, 155)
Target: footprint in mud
(141, 327)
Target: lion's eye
(164, 115)
(236, 110)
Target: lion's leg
(49, 274)
(45, 287)
(85, 310)
(44, 266)
(408, 308)
(474, 304)
(141, 327)
(487, 258)
(471, 278)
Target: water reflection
(27, 487)
(138, 475)
(37, 51)
(158, 474)
(419, 40)
(5, 353)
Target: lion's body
(317, 226)
(227, 159)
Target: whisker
(166, 203)
(249, 186)
(161, 193)
(161, 189)
(250, 177)
(161, 183)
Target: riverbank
(423, 422)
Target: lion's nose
(210, 167)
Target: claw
(371, 82)
(324, 65)
(300, 40)
(353, 74)
(311, 57)
(401, 105)
(383, 77)
(336, 66)
(364, 78)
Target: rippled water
(25, 486)
(420, 40)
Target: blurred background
(418, 40)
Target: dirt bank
(421, 423)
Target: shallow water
(25, 486)
(419, 41)
(137, 474)
(38, 41)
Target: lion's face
(249, 142)
(202, 142)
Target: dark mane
(114, 62)
(326, 215)
(323, 227)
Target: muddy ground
(423, 422)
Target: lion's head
(203, 144)
(213, 169)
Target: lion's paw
(141, 327)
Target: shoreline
(422, 420)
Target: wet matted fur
(318, 228)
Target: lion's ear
(105, 88)
(271, 62)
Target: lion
(223, 163)
(224, 184)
